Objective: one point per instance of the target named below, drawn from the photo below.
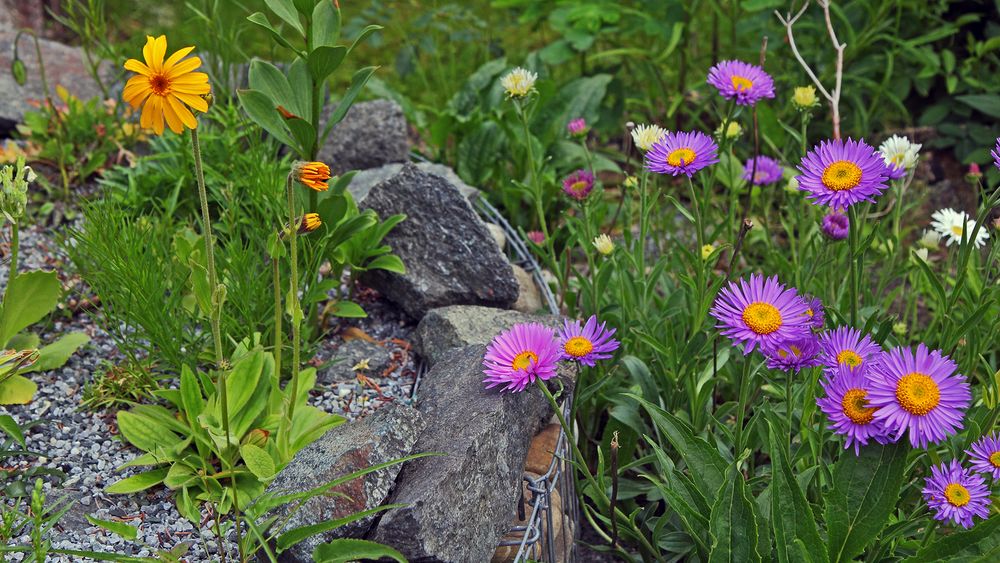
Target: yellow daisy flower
(163, 88)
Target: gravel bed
(86, 447)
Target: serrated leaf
(734, 524)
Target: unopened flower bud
(604, 244)
(313, 175)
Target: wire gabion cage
(548, 532)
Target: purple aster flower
(578, 184)
(577, 127)
(768, 171)
(744, 82)
(537, 237)
(844, 346)
(759, 312)
(815, 311)
(845, 404)
(996, 154)
(919, 391)
(684, 152)
(955, 493)
(518, 356)
(894, 171)
(841, 173)
(985, 454)
(793, 354)
(836, 225)
(586, 343)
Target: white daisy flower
(519, 82)
(953, 226)
(645, 135)
(899, 153)
(931, 240)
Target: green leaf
(348, 309)
(986, 103)
(388, 262)
(260, 19)
(981, 543)
(266, 78)
(144, 432)
(704, 462)
(479, 152)
(285, 10)
(263, 112)
(56, 354)
(347, 549)
(324, 60)
(191, 396)
(137, 483)
(24, 341)
(10, 426)
(28, 299)
(295, 535)
(864, 495)
(17, 390)
(325, 25)
(258, 461)
(792, 518)
(118, 528)
(733, 524)
(242, 380)
(358, 82)
(304, 133)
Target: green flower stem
(293, 297)
(206, 220)
(643, 224)
(14, 244)
(852, 239)
(789, 409)
(277, 316)
(741, 408)
(699, 224)
(582, 464)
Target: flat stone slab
(371, 134)
(389, 433)
(450, 256)
(460, 504)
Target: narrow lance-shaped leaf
(791, 517)
(734, 523)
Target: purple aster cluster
(840, 173)
(768, 171)
(985, 454)
(836, 225)
(682, 152)
(578, 184)
(758, 312)
(527, 352)
(845, 403)
(743, 82)
(956, 494)
(794, 354)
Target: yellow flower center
(762, 318)
(856, 407)
(578, 346)
(524, 360)
(958, 230)
(849, 357)
(917, 393)
(897, 159)
(842, 175)
(794, 349)
(160, 84)
(680, 156)
(810, 313)
(956, 494)
(995, 459)
(741, 84)
(578, 187)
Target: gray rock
(387, 434)
(498, 235)
(363, 182)
(529, 298)
(460, 504)
(450, 256)
(446, 328)
(349, 355)
(372, 134)
(64, 66)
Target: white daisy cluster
(953, 226)
(645, 136)
(519, 82)
(898, 151)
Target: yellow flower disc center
(917, 393)
(524, 360)
(842, 175)
(995, 459)
(160, 84)
(741, 84)
(856, 407)
(680, 157)
(578, 187)
(762, 318)
(958, 230)
(793, 349)
(849, 357)
(578, 346)
(956, 494)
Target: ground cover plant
(771, 228)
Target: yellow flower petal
(157, 52)
(136, 91)
(173, 120)
(138, 66)
(195, 101)
(183, 67)
(178, 55)
(182, 112)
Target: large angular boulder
(457, 326)
(363, 182)
(450, 256)
(64, 66)
(389, 433)
(372, 134)
(460, 504)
